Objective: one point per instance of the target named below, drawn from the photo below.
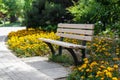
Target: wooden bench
(82, 32)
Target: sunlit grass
(8, 24)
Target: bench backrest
(76, 31)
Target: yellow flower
(103, 48)
(102, 78)
(110, 69)
(86, 62)
(85, 59)
(114, 78)
(96, 39)
(87, 70)
(115, 66)
(79, 68)
(84, 66)
(90, 76)
(99, 73)
(102, 66)
(93, 64)
(117, 53)
(109, 74)
(102, 62)
(82, 77)
(105, 71)
(99, 69)
(116, 59)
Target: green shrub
(105, 14)
(45, 13)
(64, 59)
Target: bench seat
(63, 44)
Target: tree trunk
(13, 18)
(104, 26)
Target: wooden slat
(77, 31)
(60, 43)
(81, 26)
(73, 36)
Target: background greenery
(46, 14)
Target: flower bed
(103, 63)
(25, 43)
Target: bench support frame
(70, 50)
(51, 48)
(60, 47)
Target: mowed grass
(8, 24)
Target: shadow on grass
(64, 59)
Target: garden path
(36, 68)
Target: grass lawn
(8, 24)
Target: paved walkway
(36, 68)
(54, 70)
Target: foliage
(103, 63)
(105, 48)
(2, 12)
(12, 8)
(116, 28)
(27, 5)
(26, 9)
(64, 3)
(103, 13)
(46, 13)
(2, 7)
(7, 24)
(64, 59)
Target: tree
(13, 8)
(26, 10)
(46, 14)
(103, 12)
(2, 12)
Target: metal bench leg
(83, 53)
(83, 50)
(73, 55)
(51, 48)
(60, 47)
(60, 50)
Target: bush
(46, 13)
(95, 70)
(105, 14)
(105, 48)
(103, 62)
